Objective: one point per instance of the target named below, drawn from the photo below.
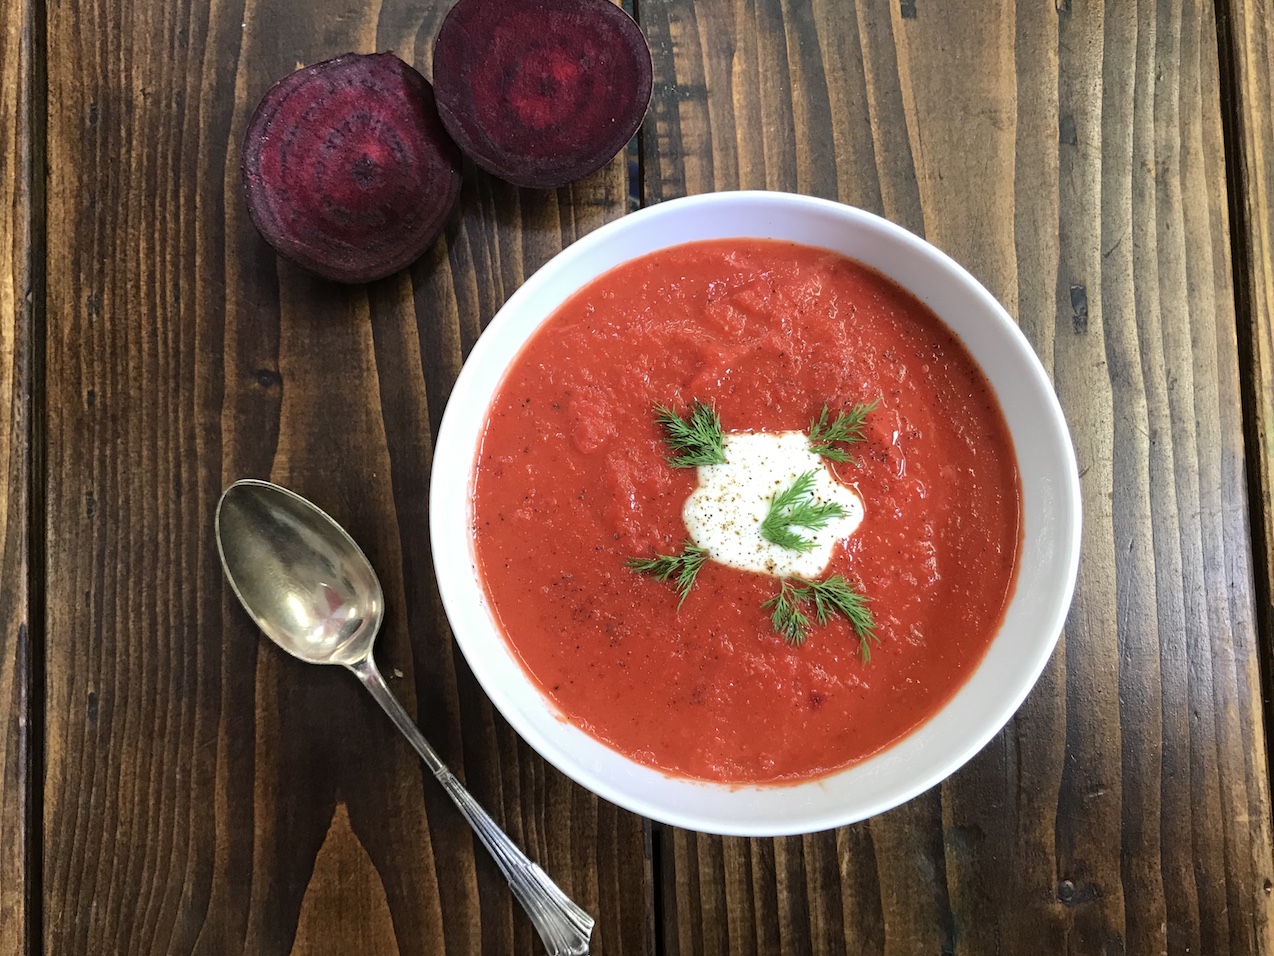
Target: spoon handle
(564, 927)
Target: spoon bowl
(312, 591)
(304, 581)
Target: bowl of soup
(755, 514)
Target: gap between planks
(1246, 320)
(32, 750)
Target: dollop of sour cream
(724, 514)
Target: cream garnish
(724, 514)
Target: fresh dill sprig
(663, 566)
(786, 616)
(697, 439)
(838, 596)
(795, 507)
(830, 597)
(847, 428)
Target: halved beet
(348, 170)
(541, 92)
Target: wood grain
(1070, 155)
(18, 669)
(1247, 48)
(18, 839)
(204, 793)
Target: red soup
(573, 481)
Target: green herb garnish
(795, 507)
(830, 597)
(786, 616)
(697, 440)
(847, 429)
(663, 566)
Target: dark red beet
(541, 92)
(349, 171)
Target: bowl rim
(451, 446)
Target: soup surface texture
(573, 480)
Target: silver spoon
(313, 592)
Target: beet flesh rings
(348, 169)
(541, 92)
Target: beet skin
(348, 169)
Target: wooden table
(171, 784)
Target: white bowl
(1046, 568)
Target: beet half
(348, 169)
(541, 92)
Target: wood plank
(1071, 156)
(18, 839)
(1247, 51)
(205, 794)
